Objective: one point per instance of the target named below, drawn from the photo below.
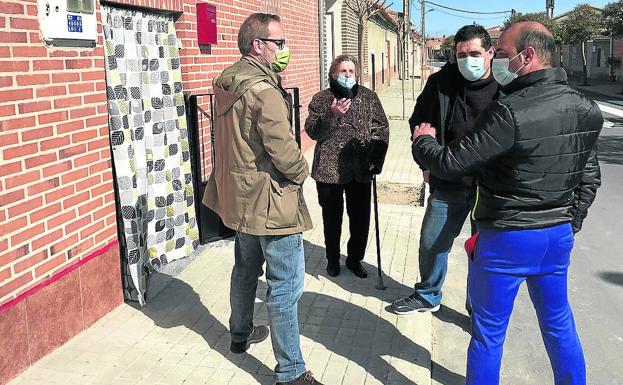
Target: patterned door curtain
(149, 140)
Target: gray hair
(335, 64)
(254, 27)
(543, 43)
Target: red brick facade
(57, 204)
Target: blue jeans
(504, 259)
(445, 214)
(285, 272)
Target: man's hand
(426, 175)
(340, 107)
(424, 129)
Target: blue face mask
(500, 70)
(346, 82)
(472, 68)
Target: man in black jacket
(451, 101)
(534, 151)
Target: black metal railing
(201, 128)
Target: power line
(468, 17)
(465, 11)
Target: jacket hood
(237, 79)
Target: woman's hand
(340, 107)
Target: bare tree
(364, 10)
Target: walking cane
(379, 280)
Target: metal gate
(200, 115)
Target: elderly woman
(352, 134)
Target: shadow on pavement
(365, 338)
(348, 281)
(613, 277)
(394, 289)
(449, 315)
(610, 149)
(179, 305)
(346, 329)
(358, 324)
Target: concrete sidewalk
(348, 337)
(599, 87)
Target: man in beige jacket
(255, 187)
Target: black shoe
(333, 268)
(306, 378)
(357, 269)
(258, 334)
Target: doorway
(373, 76)
(149, 142)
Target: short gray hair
(254, 27)
(335, 64)
(543, 43)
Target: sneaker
(304, 379)
(412, 304)
(258, 334)
(333, 268)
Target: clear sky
(445, 22)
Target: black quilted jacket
(534, 151)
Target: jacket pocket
(283, 205)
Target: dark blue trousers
(505, 259)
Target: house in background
(382, 49)
(597, 52)
(494, 33)
(381, 42)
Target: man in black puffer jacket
(534, 151)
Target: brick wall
(56, 199)
(349, 32)
(56, 194)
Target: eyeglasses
(279, 42)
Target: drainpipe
(323, 43)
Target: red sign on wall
(206, 23)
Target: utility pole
(404, 53)
(423, 44)
(549, 8)
(411, 35)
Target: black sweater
(435, 105)
(469, 101)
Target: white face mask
(472, 68)
(500, 70)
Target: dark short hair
(254, 27)
(473, 31)
(342, 58)
(543, 43)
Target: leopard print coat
(349, 146)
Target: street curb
(596, 94)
